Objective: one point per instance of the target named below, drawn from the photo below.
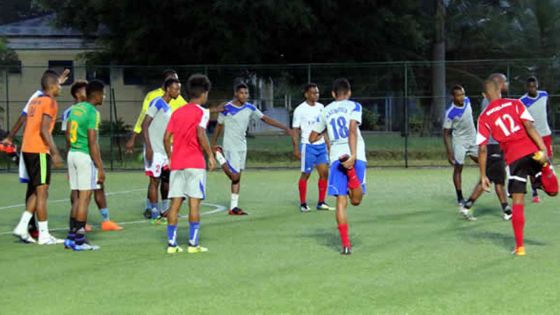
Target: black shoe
(147, 214)
(237, 211)
(346, 251)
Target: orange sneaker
(88, 227)
(110, 226)
(519, 251)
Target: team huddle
(176, 153)
(513, 141)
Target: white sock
(234, 201)
(24, 221)
(221, 159)
(43, 228)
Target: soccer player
(511, 125)
(23, 176)
(458, 125)
(347, 174)
(85, 167)
(312, 155)
(174, 104)
(536, 102)
(155, 157)
(39, 152)
(187, 130)
(234, 121)
(78, 92)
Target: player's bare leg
(302, 188)
(194, 227)
(172, 219)
(518, 222)
(342, 221)
(466, 208)
(502, 196)
(235, 188)
(457, 179)
(78, 229)
(101, 202)
(356, 196)
(153, 196)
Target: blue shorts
(313, 155)
(338, 181)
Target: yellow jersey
(174, 104)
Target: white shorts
(159, 164)
(236, 160)
(23, 176)
(82, 172)
(462, 149)
(190, 182)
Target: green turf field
(412, 254)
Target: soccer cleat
(88, 228)
(196, 249)
(304, 207)
(69, 244)
(536, 199)
(519, 251)
(324, 206)
(346, 251)
(467, 214)
(148, 214)
(110, 226)
(174, 249)
(84, 247)
(49, 240)
(237, 211)
(507, 213)
(24, 237)
(159, 220)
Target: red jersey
(503, 120)
(183, 124)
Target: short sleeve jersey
(305, 118)
(64, 118)
(537, 107)
(460, 120)
(336, 119)
(38, 107)
(236, 120)
(503, 120)
(175, 104)
(183, 125)
(83, 117)
(160, 112)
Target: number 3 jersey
(503, 120)
(336, 119)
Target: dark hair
(170, 82)
(532, 79)
(341, 85)
(489, 85)
(309, 86)
(240, 86)
(51, 71)
(198, 84)
(48, 79)
(94, 86)
(167, 73)
(456, 87)
(76, 86)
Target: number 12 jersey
(336, 119)
(503, 120)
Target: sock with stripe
(104, 213)
(164, 205)
(302, 186)
(72, 230)
(194, 231)
(172, 235)
(80, 237)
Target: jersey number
(340, 130)
(513, 128)
(73, 131)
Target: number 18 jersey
(336, 119)
(503, 120)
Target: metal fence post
(7, 86)
(308, 73)
(405, 114)
(111, 120)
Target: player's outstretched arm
(10, 138)
(95, 154)
(217, 133)
(352, 143)
(47, 137)
(536, 137)
(279, 125)
(447, 142)
(205, 145)
(146, 133)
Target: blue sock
(155, 211)
(164, 205)
(148, 204)
(104, 213)
(194, 229)
(171, 235)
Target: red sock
(353, 180)
(518, 222)
(343, 231)
(549, 180)
(302, 190)
(322, 189)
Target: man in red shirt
(511, 125)
(187, 130)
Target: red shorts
(548, 144)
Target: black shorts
(518, 172)
(495, 165)
(38, 166)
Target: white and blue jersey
(64, 118)
(305, 118)
(336, 119)
(236, 120)
(537, 108)
(460, 120)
